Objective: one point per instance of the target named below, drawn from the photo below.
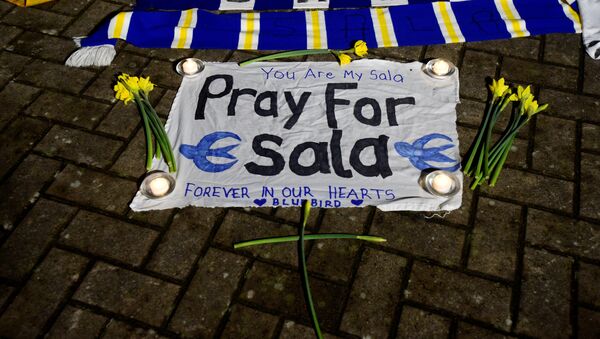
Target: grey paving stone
(104, 236)
(460, 293)
(588, 323)
(163, 74)
(590, 195)
(23, 187)
(591, 76)
(18, 138)
(554, 150)
(544, 306)
(183, 241)
(10, 65)
(132, 162)
(539, 74)
(8, 33)
(589, 275)
(87, 20)
(293, 214)
(416, 323)
(29, 240)
(37, 20)
(79, 146)
(374, 295)
(570, 106)
(245, 322)
(209, 294)
(72, 7)
(37, 301)
(292, 330)
(450, 52)
(591, 137)
(563, 234)
(161, 53)
(415, 234)
(523, 48)
(14, 97)
(494, 238)
(68, 109)
(334, 257)
(93, 188)
(119, 329)
(77, 323)
(43, 46)
(475, 68)
(56, 76)
(156, 218)
(128, 293)
(5, 293)
(562, 49)
(471, 331)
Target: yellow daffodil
(533, 108)
(130, 82)
(344, 59)
(360, 48)
(122, 93)
(523, 93)
(498, 88)
(145, 85)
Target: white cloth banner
(277, 133)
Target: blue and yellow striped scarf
(421, 23)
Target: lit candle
(159, 186)
(440, 67)
(190, 67)
(442, 183)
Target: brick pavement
(520, 260)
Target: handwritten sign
(274, 134)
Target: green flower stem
(474, 150)
(486, 149)
(147, 132)
(309, 300)
(287, 54)
(276, 240)
(161, 134)
(498, 168)
(163, 144)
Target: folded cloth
(590, 17)
(416, 24)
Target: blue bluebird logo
(200, 153)
(419, 156)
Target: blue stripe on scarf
(542, 18)
(282, 31)
(481, 22)
(414, 24)
(350, 26)
(224, 30)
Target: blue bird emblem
(200, 153)
(419, 156)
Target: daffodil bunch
(136, 89)
(486, 159)
(360, 50)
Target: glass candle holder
(157, 185)
(441, 183)
(189, 67)
(439, 68)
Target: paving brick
(292, 330)
(56, 76)
(69, 109)
(163, 74)
(237, 227)
(475, 67)
(461, 215)
(22, 188)
(570, 106)
(34, 19)
(280, 290)
(494, 239)
(157, 218)
(450, 52)
(209, 294)
(245, 322)
(76, 323)
(39, 298)
(589, 275)
(100, 235)
(562, 49)
(554, 150)
(79, 146)
(121, 121)
(72, 7)
(215, 55)
(11, 65)
(533, 189)
(334, 258)
(163, 108)
(183, 241)
(539, 74)
(527, 48)
(14, 97)
(415, 234)
(544, 306)
(29, 240)
(5, 292)
(169, 54)
(590, 139)
(128, 293)
(563, 234)
(18, 138)
(588, 323)
(93, 188)
(591, 76)
(374, 295)
(405, 53)
(416, 323)
(590, 176)
(471, 331)
(7, 33)
(44, 46)
(460, 293)
(132, 162)
(292, 215)
(118, 329)
(90, 18)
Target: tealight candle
(442, 183)
(440, 67)
(159, 186)
(190, 67)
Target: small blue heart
(260, 202)
(356, 202)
